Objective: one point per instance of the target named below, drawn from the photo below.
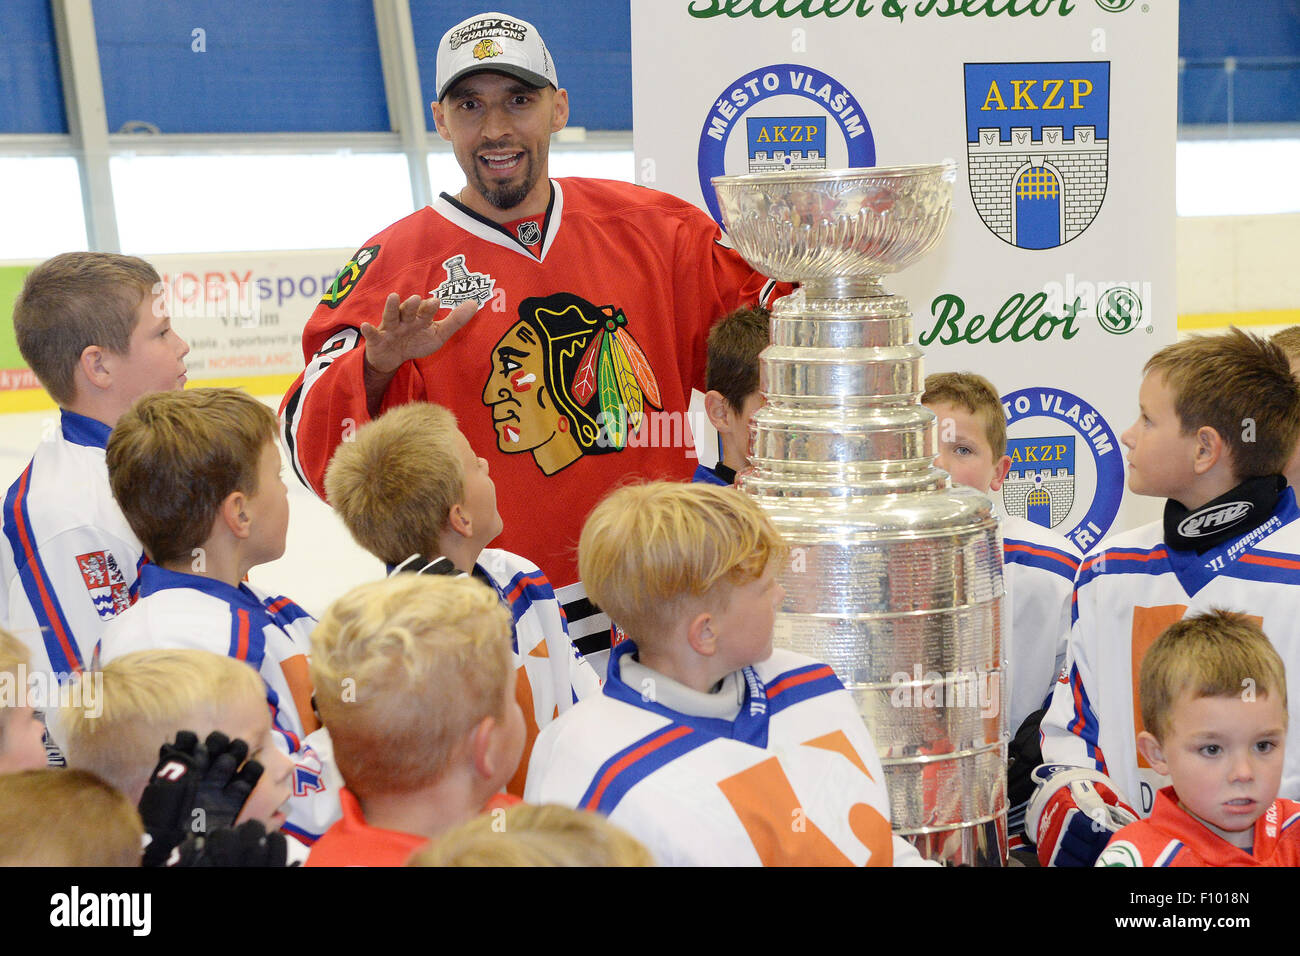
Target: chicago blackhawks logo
(487, 47)
(349, 276)
(567, 380)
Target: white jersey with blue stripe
(270, 633)
(1128, 590)
(69, 562)
(1038, 569)
(793, 779)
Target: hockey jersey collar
(80, 430)
(1195, 569)
(461, 215)
(1226, 518)
(154, 578)
(750, 725)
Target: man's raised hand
(408, 330)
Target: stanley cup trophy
(895, 576)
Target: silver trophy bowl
(895, 576)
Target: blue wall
(313, 65)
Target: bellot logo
(1210, 520)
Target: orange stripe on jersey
(650, 747)
(522, 583)
(298, 677)
(838, 743)
(241, 642)
(1271, 562)
(539, 650)
(1148, 624)
(33, 562)
(524, 694)
(797, 679)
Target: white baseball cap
(494, 42)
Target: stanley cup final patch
(462, 284)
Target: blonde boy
(1213, 694)
(706, 743)
(1288, 340)
(731, 377)
(1218, 418)
(197, 474)
(94, 330)
(149, 696)
(1038, 564)
(413, 493)
(66, 818)
(525, 835)
(415, 683)
(22, 734)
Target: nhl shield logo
(1037, 144)
(461, 285)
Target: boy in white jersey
(197, 474)
(1218, 418)
(95, 331)
(1038, 567)
(413, 493)
(708, 745)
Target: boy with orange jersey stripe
(1218, 418)
(708, 745)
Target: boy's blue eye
(1211, 750)
(1266, 746)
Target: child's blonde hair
(404, 669)
(649, 553)
(1241, 386)
(147, 696)
(1216, 654)
(395, 482)
(13, 656)
(977, 395)
(72, 302)
(66, 818)
(174, 457)
(527, 835)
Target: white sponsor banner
(243, 313)
(1056, 276)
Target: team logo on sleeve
(1037, 141)
(1120, 853)
(349, 276)
(461, 285)
(105, 582)
(567, 380)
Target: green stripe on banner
(11, 283)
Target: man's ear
(233, 513)
(1000, 471)
(719, 410)
(1210, 449)
(1150, 748)
(440, 121)
(560, 110)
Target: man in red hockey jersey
(563, 321)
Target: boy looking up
(1218, 418)
(94, 330)
(731, 377)
(415, 684)
(1213, 693)
(197, 474)
(1288, 340)
(413, 493)
(707, 743)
